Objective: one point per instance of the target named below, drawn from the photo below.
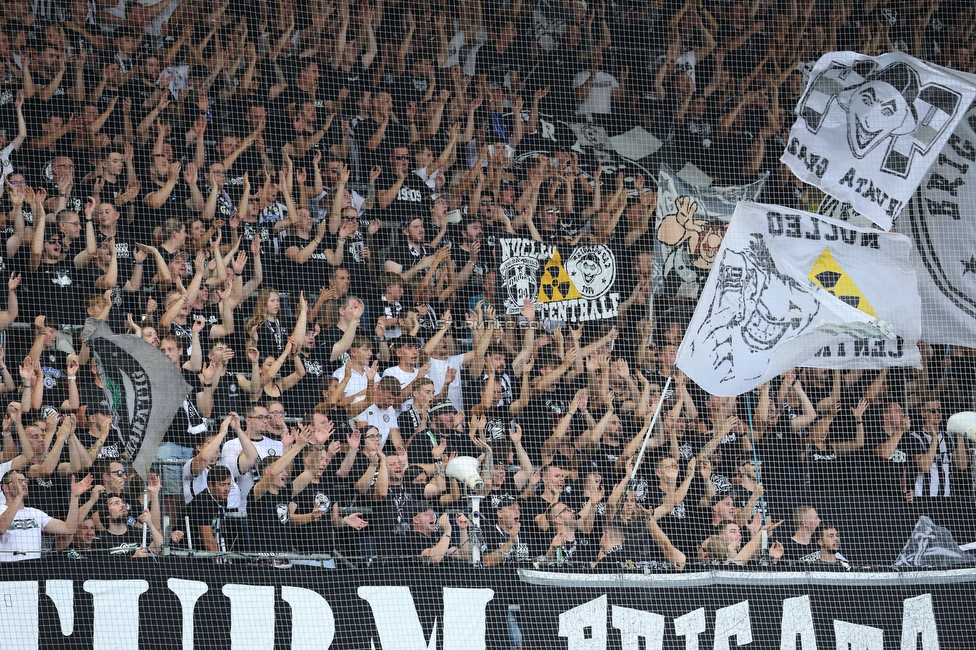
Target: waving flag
(792, 288)
(144, 387)
(869, 128)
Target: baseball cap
(505, 501)
(442, 406)
(418, 506)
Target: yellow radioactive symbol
(827, 273)
(555, 283)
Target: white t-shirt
(22, 541)
(4, 468)
(6, 167)
(241, 484)
(357, 382)
(438, 373)
(382, 419)
(599, 98)
(193, 485)
(405, 378)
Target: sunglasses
(54, 240)
(119, 472)
(401, 157)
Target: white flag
(792, 288)
(868, 128)
(941, 221)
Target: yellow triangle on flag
(828, 274)
(555, 283)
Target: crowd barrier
(120, 603)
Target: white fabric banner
(792, 288)
(941, 221)
(868, 128)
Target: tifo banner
(792, 288)
(571, 285)
(690, 224)
(144, 388)
(126, 604)
(868, 128)
(941, 220)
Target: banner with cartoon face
(792, 288)
(690, 224)
(869, 128)
(570, 285)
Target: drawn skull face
(876, 110)
(590, 268)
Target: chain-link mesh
(391, 296)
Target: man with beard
(569, 546)
(830, 555)
(410, 256)
(119, 536)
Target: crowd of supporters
(302, 204)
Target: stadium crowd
(302, 204)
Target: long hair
(261, 313)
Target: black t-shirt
(51, 494)
(794, 553)
(313, 273)
(54, 367)
(579, 553)
(409, 202)
(543, 412)
(52, 290)
(106, 541)
(888, 475)
(419, 451)
(391, 517)
(315, 536)
(303, 396)
(354, 80)
(189, 427)
(269, 521)
(412, 543)
(522, 551)
(205, 510)
(407, 256)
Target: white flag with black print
(868, 128)
(792, 288)
(941, 221)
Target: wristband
(137, 264)
(6, 434)
(72, 377)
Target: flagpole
(145, 506)
(647, 434)
(755, 462)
